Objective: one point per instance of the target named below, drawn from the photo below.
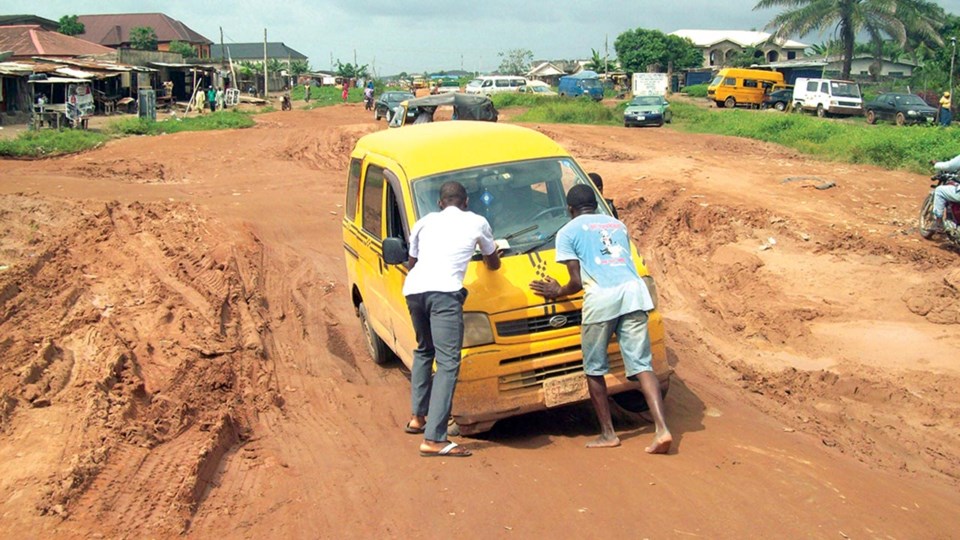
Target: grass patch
(566, 111)
(696, 90)
(324, 96)
(38, 144)
(854, 141)
(211, 121)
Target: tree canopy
(645, 50)
(183, 48)
(897, 20)
(515, 61)
(351, 71)
(70, 25)
(143, 38)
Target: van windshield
(524, 201)
(844, 89)
(590, 83)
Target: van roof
(425, 149)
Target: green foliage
(854, 141)
(70, 25)
(183, 48)
(143, 38)
(49, 142)
(568, 111)
(323, 96)
(205, 122)
(640, 50)
(515, 61)
(696, 90)
(351, 71)
(299, 67)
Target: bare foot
(661, 444)
(605, 442)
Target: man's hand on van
(548, 288)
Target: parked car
(538, 88)
(900, 108)
(388, 101)
(647, 111)
(778, 99)
(827, 97)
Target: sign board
(79, 101)
(231, 97)
(649, 84)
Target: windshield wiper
(521, 231)
(545, 241)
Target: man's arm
(492, 261)
(952, 165)
(550, 288)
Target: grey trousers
(438, 322)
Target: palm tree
(596, 62)
(845, 17)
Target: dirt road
(178, 354)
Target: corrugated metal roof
(31, 40)
(254, 51)
(114, 30)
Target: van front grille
(542, 323)
(534, 378)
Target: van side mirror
(393, 251)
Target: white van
(827, 97)
(492, 84)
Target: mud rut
(155, 358)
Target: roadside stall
(61, 102)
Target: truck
(827, 97)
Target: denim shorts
(634, 340)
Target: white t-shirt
(443, 244)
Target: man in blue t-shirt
(596, 250)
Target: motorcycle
(368, 103)
(928, 223)
(285, 104)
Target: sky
(415, 36)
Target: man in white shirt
(441, 246)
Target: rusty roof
(30, 40)
(114, 30)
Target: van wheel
(901, 119)
(871, 117)
(798, 107)
(730, 102)
(821, 112)
(378, 350)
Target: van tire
(730, 102)
(379, 352)
(821, 112)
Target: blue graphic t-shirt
(611, 284)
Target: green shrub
(571, 111)
(35, 144)
(230, 119)
(696, 90)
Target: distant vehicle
(827, 97)
(901, 108)
(585, 83)
(778, 99)
(538, 88)
(444, 84)
(465, 107)
(647, 111)
(494, 84)
(388, 101)
(733, 86)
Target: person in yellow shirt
(946, 115)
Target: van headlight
(652, 287)
(476, 329)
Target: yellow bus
(520, 352)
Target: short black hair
(582, 197)
(597, 181)
(453, 193)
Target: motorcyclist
(368, 95)
(946, 192)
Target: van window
(353, 189)
(730, 81)
(811, 86)
(825, 88)
(487, 83)
(373, 201)
(749, 83)
(844, 89)
(396, 218)
(502, 83)
(518, 82)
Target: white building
(721, 46)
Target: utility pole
(606, 51)
(953, 56)
(266, 87)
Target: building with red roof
(114, 31)
(26, 41)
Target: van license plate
(563, 390)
